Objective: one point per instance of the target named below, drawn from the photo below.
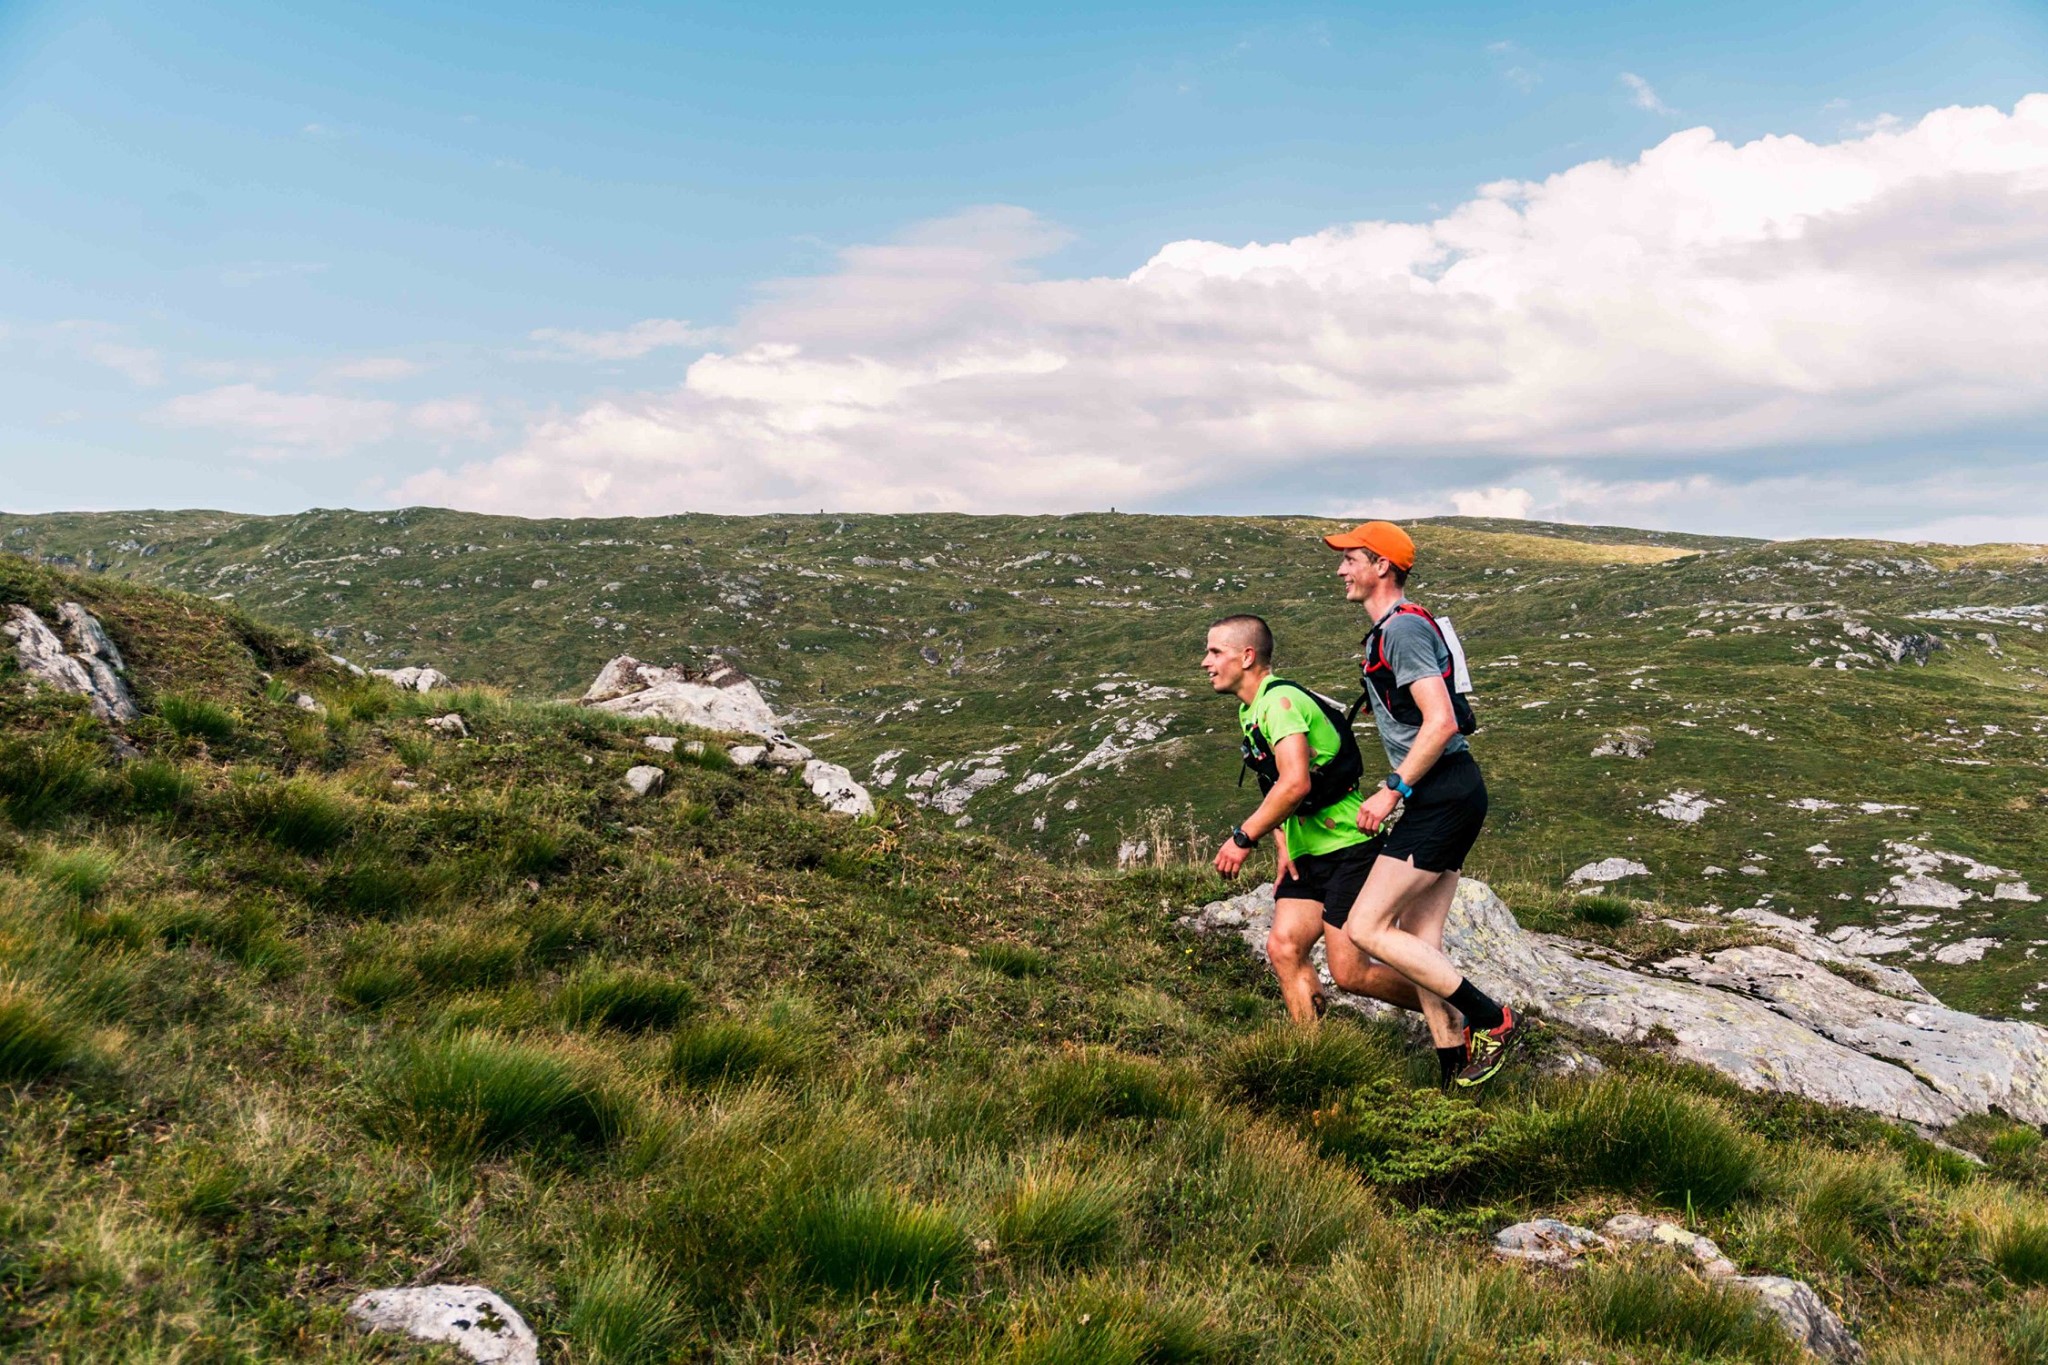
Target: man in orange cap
(1408, 671)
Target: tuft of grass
(1097, 1324)
(1608, 912)
(478, 1092)
(378, 888)
(732, 1052)
(2020, 1251)
(79, 875)
(158, 786)
(1017, 960)
(470, 955)
(37, 1036)
(1629, 1305)
(627, 999)
(1062, 1220)
(197, 718)
(535, 851)
(374, 984)
(1630, 1134)
(302, 815)
(43, 780)
(867, 1241)
(1083, 1088)
(622, 1313)
(1292, 1070)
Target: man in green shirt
(1323, 856)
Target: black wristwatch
(1241, 839)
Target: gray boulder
(1808, 1321)
(645, 778)
(719, 698)
(1546, 1241)
(414, 678)
(451, 725)
(1634, 1227)
(467, 1316)
(835, 787)
(1630, 741)
(90, 668)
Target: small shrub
(623, 1314)
(2020, 1251)
(1608, 912)
(196, 718)
(1412, 1141)
(1633, 1304)
(732, 1052)
(301, 815)
(43, 780)
(157, 786)
(479, 1092)
(1062, 1221)
(1015, 960)
(1084, 1088)
(1291, 1070)
(867, 1241)
(37, 1037)
(623, 998)
(78, 874)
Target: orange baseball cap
(1383, 538)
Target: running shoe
(1489, 1049)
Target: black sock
(1479, 1011)
(1449, 1062)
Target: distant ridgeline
(1844, 731)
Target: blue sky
(266, 259)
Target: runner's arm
(1292, 756)
(1439, 725)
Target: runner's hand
(1376, 808)
(1230, 857)
(1285, 868)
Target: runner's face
(1355, 567)
(1223, 661)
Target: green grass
(1609, 912)
(1632, 1135)
(44, 779)
(37, 1036)
(1061, 1220)
(301, 814)
(1089, 1088)
(624, 998)
(478, 1093)
(1292, 1071)
(622, 1313)
(867, 1241)
(1652, 1306)
(732, 1052)
(2020, 1251)
(1014, 960)
(197, 718)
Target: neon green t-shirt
(1287, 712)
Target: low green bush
(197, 718)
(1654, 1305)
(38, 1037)
(627, 999)
(1608, 912)
(1415, 1142)
(1630, 1134)
(867, 1241)
(732, 1052)
(1062, 1220)
(479, 1092)
(1080, 1089)
(1292, 1070)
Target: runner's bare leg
(1297, 924)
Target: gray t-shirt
(1415, 651)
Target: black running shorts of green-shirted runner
(1333, 878)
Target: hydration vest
(1335, 779)
(1376, 675)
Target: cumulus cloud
(451, 419)
(376, 369)
(630, 343)
(1643, 95)
(1701, 305)
(279, 425)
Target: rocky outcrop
(835, 787)
(415, 678)
(84, 663)
(1768, 1017)
(1630, 741)
(467, 1316)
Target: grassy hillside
(299, 1005)
(1035, 677)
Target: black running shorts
(1440, 823)
(1332, 878)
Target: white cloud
(376, 368)
(451, 419)
(283, 424)
(1643, 96)
(1699, 305)
(140, 364)
(653, 334)
(1493, 502)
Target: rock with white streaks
(91, 668)
(467, 1316)
(414, 678)
(835, 787)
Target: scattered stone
(836, 788)
(404, 784)
(305, 701)
(450, 725)
(1634, 1227)
(1546, 1241)
(719, 698)
(694, 748)
(1607, 870)
(746, 755)
(1630, 741)
(1807, 1320)
(787, 753)
(418, 678)
(1686, 807)
(645, 779)
(1969, 950)
(661, 744)
(468, 1316)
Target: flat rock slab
(1634, 1227)
(1546, 1241)
(468, 1316)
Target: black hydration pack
(1376, 674)
(1328, 784)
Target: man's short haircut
(1249, 630)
